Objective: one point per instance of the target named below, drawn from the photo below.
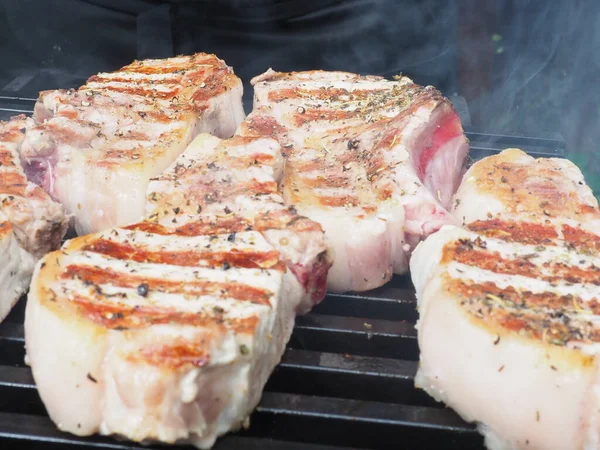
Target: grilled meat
(96, 148)
(31, 223)
(508, 306)
(166, 330)
(374, 161)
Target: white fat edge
(260, 278)
(244, 240)
(585, 292)
(180, 302)
(550, 253)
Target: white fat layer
(260, 278)
(245, 240)
(465, 272)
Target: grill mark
(494, 262)
(527, 313)
(222, 226)
(538, 187)
(245, 161)
(13, 183)
(215, 83)
(175, 356)
(524, 232)
(157, 116)
(11, 133)
(324, 93)
(262, 125)
(138, 90)
(311, 115)
(286, 219)
(301, 166)
(338, 200)
(117, 77)
(234, 290)
(61, 133)
(197, 62)
(327, 181)
(582, 240)
(189, 258)
(7, 157)
(523, 299)
(71, 114)
(5, 228)
(121, 317)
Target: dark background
(519, 67)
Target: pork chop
(508, 307)
(31, 224)
(374, 161)
(166, 330)
(96, 148)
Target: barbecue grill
(345, 381)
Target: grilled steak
(374, 161)
(166, 330)
(96, 148)
(31, 224)
(508, 306)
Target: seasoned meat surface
(31, 223)
(508, 305)
(167, 329)
(95, 149)
(374, 161)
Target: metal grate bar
(40, 430)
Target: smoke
(525, 67)
(543, 76)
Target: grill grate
(345, 381)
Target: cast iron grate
(345, 381)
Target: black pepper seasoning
(142, 289)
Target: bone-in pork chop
(31, 224)
(374, 161)
(509, 306)
(166, 330)
(96, 148)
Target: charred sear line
(144, 285)
(581, 240)
(198, 228)
(555, 319)
(188, 258)
(474, 253)
(122, 317)
(523, 233)
(175, 356)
